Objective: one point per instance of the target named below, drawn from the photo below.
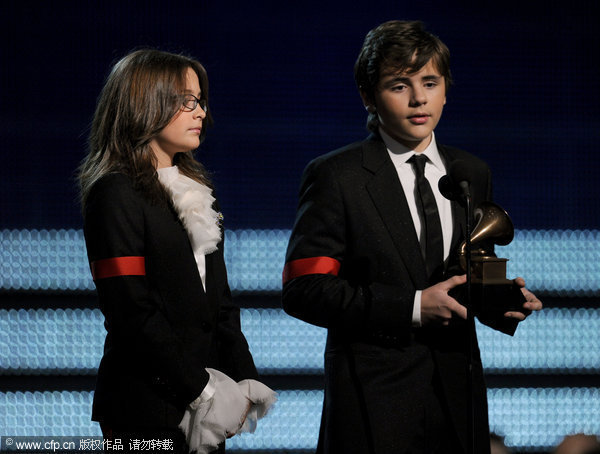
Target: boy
(372, 257)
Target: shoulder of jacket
(114, 189)
(457, 153)
(344, 157)
(112, 182)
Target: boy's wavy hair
(397, 47)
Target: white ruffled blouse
(193, 202)
(209, 419)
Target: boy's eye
(430, 84)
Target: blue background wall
(526, 97)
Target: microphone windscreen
(448, 189)
(455, 185)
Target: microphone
(456, 184)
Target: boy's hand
(437, 306)
(531, 304)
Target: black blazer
(163, 329)
(353, 265)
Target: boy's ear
(368, 102)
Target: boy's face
(409, 106)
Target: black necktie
(432, 245)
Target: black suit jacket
(353, 265)
(163, 328)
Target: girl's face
(183, 131)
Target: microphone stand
(470, 323)
(447, 186)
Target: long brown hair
(140, 97)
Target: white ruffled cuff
(262, 397)
(209, 420)
(207, 393)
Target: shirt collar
(403, 153)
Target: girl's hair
(140, 97)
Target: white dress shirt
(434, 170)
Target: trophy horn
(493, 225)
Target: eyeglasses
(190, 102)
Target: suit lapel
(388, 197)
(210, 290)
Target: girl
(176, 364)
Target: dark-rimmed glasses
(190, 102)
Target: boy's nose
(418, 97)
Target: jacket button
(205, 326)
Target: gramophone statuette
(492, 293)
(494, 226)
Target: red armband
(118, 266)
(311, 265)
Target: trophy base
(488, 270)
(491, 300)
